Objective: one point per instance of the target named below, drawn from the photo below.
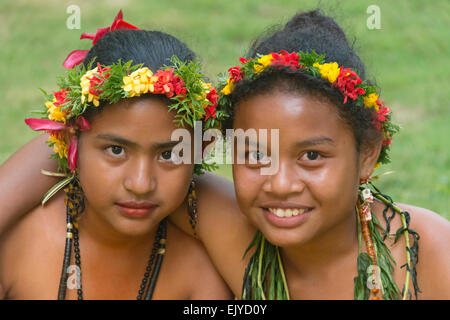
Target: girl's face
(126, 167)
(315, 187)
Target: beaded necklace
(264, 277)
(74, 207)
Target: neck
(325, 251)
(94, 228)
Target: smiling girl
(317, 228)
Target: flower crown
(80, 90)
(84, 88)
(345, 80)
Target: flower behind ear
(73, 154)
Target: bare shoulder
(432, 228)
(434, 251)
(46, 220)
(223, 228)
(21, 246)
(217, 200)
(192, 266)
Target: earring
(367, 199)
(192, 207)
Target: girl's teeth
(286, 213)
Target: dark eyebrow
(116, 139)
(315, 141)
(126, 142)
(165, 145)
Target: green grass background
(408, 58)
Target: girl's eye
(311, 156)
(168, 156)
(115, 151)
(257, 157)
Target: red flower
(243, 60)
(346, 83)
(98, 79)
(283, 58)
(210, 112)
(77, 56)
(235, 74)
(212, 96)
(61, 97)
(178, 86)
(382, 113)
(169, 84)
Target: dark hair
(152, 49)
(305, 32)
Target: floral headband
(84, 88)
(344, 79)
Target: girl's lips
(287, 221)
(136, 209)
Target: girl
(309, 230)
(121, 185)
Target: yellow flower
(229, 87)
(139, 82)
(60, 147)
(55, 113)
(371, 101)
(263, 62)
(206, 86)
(85, 84)
(329, 71)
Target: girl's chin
(284, 239)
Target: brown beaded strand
(74, 207)
(159, 237)
(162, 231)
(192, 207)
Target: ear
(368, 159)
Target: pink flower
(73, 154)
(58, 129)
(45, 125)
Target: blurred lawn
(408, 58)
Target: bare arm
(223, 229)
(434, 255)
(21, 183)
